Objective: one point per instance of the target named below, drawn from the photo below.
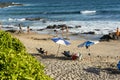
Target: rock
(34, 19)
(79, 26)
(105, 38)
(6, 4)
(12, 31)
(40, 29)
(89, 32)
(57, 26)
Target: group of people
(64, 32)
(21, 30)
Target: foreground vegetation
(16, 63)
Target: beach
(101, 64)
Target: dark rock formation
(11, 31)
(105, 38)
(57, 26)
(34, 19)
(6, 4)
(89, 32)
(79, 26)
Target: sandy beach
(100, 65)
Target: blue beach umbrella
(60, 41)
(118, 65)
(88, 43)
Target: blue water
(62, 10)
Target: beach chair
(67, 53)
(41, 51)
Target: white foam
(14, 19)
(88, 12)
(99, 27)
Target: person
(28, 29)
(56, 33)
(40, 50)
(117, 33)
(0, 26)
(77, 56)
(67, 31)
(67, 53)
(20, 29)
(63, 28)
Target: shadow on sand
(98, 70)
(50, 56)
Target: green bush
(16, 63)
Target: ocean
(100, 16)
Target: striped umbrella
(60, 41)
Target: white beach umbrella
(60, 41)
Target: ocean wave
(109, 11)
(88, 12)
(14, 19)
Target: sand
(100, 65)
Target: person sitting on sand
(42, 51)
(76, 56)
(67, 53)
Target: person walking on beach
(20, 29)
(28, 29)
(117, 33)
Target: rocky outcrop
(57, 26)
(34, 19)
(89, 32)
(6, 4)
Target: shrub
(16, 63)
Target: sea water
(100, 16)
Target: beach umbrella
(60, 41)
(87, 44)
(118, 65)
